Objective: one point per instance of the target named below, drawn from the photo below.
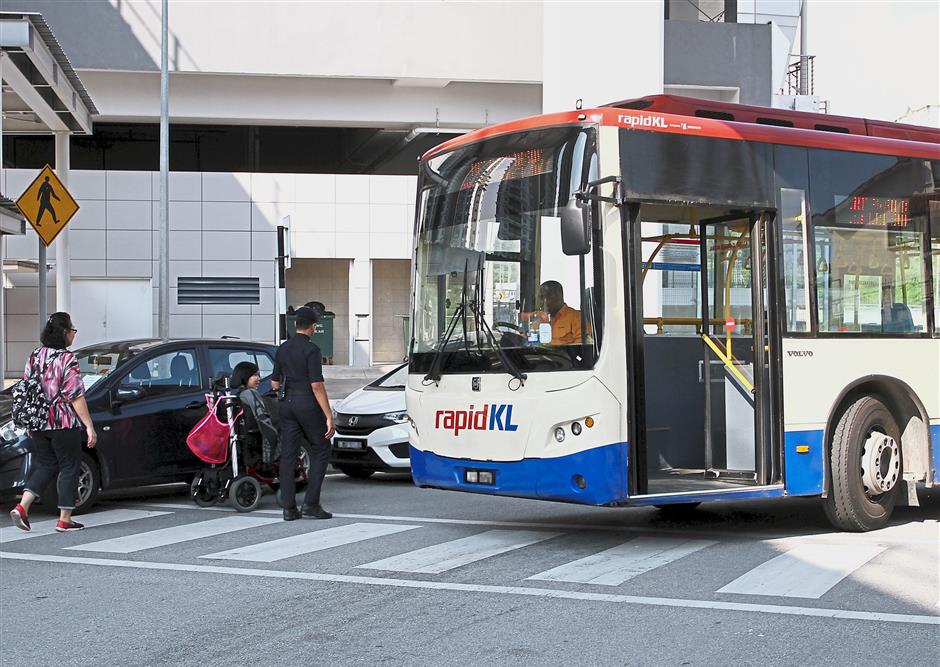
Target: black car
(144, 397)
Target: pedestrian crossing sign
(47, 205)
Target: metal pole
(804, 60)
(164, 318)
(43, 312)
(63, 265)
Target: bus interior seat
(897, 318)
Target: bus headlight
(559, 434)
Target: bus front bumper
(596, 476)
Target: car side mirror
(575, 228)
(126, 393)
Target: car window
(223, 360)
(397, 379)
(174, 371)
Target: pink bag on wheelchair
(209, 438)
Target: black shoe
(315, 512)
(291, 514)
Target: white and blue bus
(666, 301)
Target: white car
(372, 428)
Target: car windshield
(489, 237)
(96, 363)
(392, 381)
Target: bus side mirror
(575, 229)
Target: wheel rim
(881, 464)
(303, 465)
(246, 494)
(85, 480)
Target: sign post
(48, 207)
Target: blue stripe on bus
(935, 451)
(804, 471)
(604, 470)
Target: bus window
(935, 262)
(793, 261)
(871, 280)
(869, 233)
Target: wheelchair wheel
(245, 493)
(201, 494)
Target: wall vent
(209, 290)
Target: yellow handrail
(738, 374)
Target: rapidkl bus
(666, 301)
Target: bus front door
(703, 347)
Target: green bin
(322, 334)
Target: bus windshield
(489, 266)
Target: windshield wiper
(437, 365)
(482, 325)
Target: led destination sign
(858, 211)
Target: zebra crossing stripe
(614, 566)
(449, 555)
(166, 536)
(806, 571)
(274, 550)
(40, 528)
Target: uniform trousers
(302, 423)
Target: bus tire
(866, 467)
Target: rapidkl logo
(493, 417)
(642, 121)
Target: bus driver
(565, 320)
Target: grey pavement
(136, 592)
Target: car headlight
(397, 417)
(10, 431)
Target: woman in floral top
(58, 447)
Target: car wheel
(245, 493)
(355, 473)
(866, 467)
(89, 484)
(303, 467)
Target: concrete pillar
(600, 52)
(63, 261)
(3, 318)
(360, 312)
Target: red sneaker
(68, 526)
(20, 519)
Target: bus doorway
(700, 403)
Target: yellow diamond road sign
(47, 205)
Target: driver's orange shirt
(566, 326)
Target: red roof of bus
(686, 115)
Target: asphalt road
(408, 576)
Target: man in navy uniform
(306, 416)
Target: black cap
(307, 313)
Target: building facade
(310, 117)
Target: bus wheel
(865, 467)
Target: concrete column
(3, 318)
(624, 59)
(360, 312)
(63, 261)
